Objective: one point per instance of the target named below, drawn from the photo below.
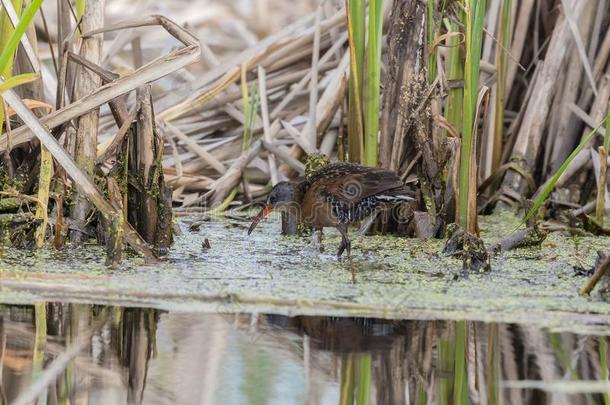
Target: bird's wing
(353, 187)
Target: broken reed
(364, 96)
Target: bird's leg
(345, 242)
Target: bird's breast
(316, 210)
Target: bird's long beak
(259, 217)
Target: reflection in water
(58, 353)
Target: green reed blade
(18, 80)
(474, 16)
(10, 46)
(356, 30)
(373, 82)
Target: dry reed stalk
(529, 138)
(285, 156)
(267, 139)
(562, 129)
(229, 180)
(583, 158)
(313, 83)
(87, 82)
(521, 34)
(278, 45)
(125, 84)
(193, 146)
(328, 104)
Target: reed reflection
(73, 353)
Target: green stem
(474, 16)
(355, 28)
(373, 82)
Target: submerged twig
(601, 269)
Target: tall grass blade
(455, 74)
(9, 41)
(373, 82)
(607, 136)
(356, 30)
(80, 8)
(432, 49)
(18, 80)
(481, 107)
(6, 32)
(250, 104)
(9, 48)
(474, 13)
(547, 190)
(600, 203)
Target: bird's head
(283, 196)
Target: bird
(336, 195)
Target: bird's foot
(340, 251)
(345, 245)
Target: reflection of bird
(336, 195)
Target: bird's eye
(272, 199)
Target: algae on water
(388, 277)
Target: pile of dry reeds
(82, 145)
(553, 89)
(114, 190)
(247, 120)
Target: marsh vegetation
(136, 137)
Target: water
(114, 355)
(204, 333)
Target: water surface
(114, 355)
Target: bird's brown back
(351, 182)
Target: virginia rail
(337, 195)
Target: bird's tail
(395, 196)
